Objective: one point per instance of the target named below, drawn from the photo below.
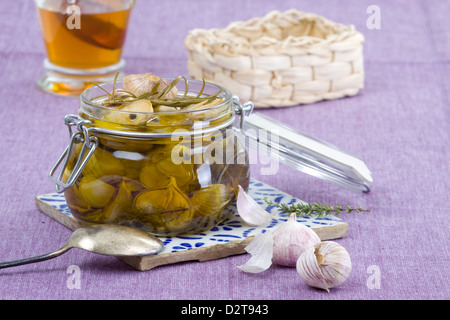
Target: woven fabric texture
(399, 124)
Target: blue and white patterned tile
(229, 230)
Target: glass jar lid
(306, 153)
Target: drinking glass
(84, 41)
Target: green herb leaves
(317, 209)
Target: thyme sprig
(118, 97)
(317, 209)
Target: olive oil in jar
(168, 171)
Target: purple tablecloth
(399, 124)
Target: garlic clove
(162, 108)
(138, 106)
(291, 239)
(134, 113)
(208, 112)
(325, 266)
(95, 192)
(261, 250)
(139, 84)
(250, 211)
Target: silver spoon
(104, 239)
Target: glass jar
(164, 172)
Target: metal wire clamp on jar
(163, 176)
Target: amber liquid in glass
(98, 43)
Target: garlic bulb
(283, 246)
(250, 211)
(325, 266)
(139, 84)
(291, 239)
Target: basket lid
(305, 153)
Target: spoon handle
(43, 257)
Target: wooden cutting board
(228, 238)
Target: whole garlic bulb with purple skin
(291, 239)
(325, 266)
(139, 84)
(283, 246)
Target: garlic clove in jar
(95, 192)
(103, 163)
(203, 105)
(203, 109)
(183, 172)
(167, 209)
(134, 113)
(212, 199)
(139, 84)
(162, 108)
(152, 178)
(291, 239)
(117, 208)
(73, 197)
(324, 266)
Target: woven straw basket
(283, 59)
